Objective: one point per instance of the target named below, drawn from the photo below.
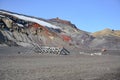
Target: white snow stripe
(43, 23)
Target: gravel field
(59, 67)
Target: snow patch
(24, 44)
(43, 23)
(2, 16)
(20, 25)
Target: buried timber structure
(51, 50)
(48, 50)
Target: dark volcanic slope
(22, 30)
(107, 38)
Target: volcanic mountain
(22, 30)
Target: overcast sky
(88, 15)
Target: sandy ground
(59, 67)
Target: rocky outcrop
(79, 39)
(17, 31)
(27, 31)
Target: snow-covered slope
(43, 23)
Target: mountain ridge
(21, 30)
